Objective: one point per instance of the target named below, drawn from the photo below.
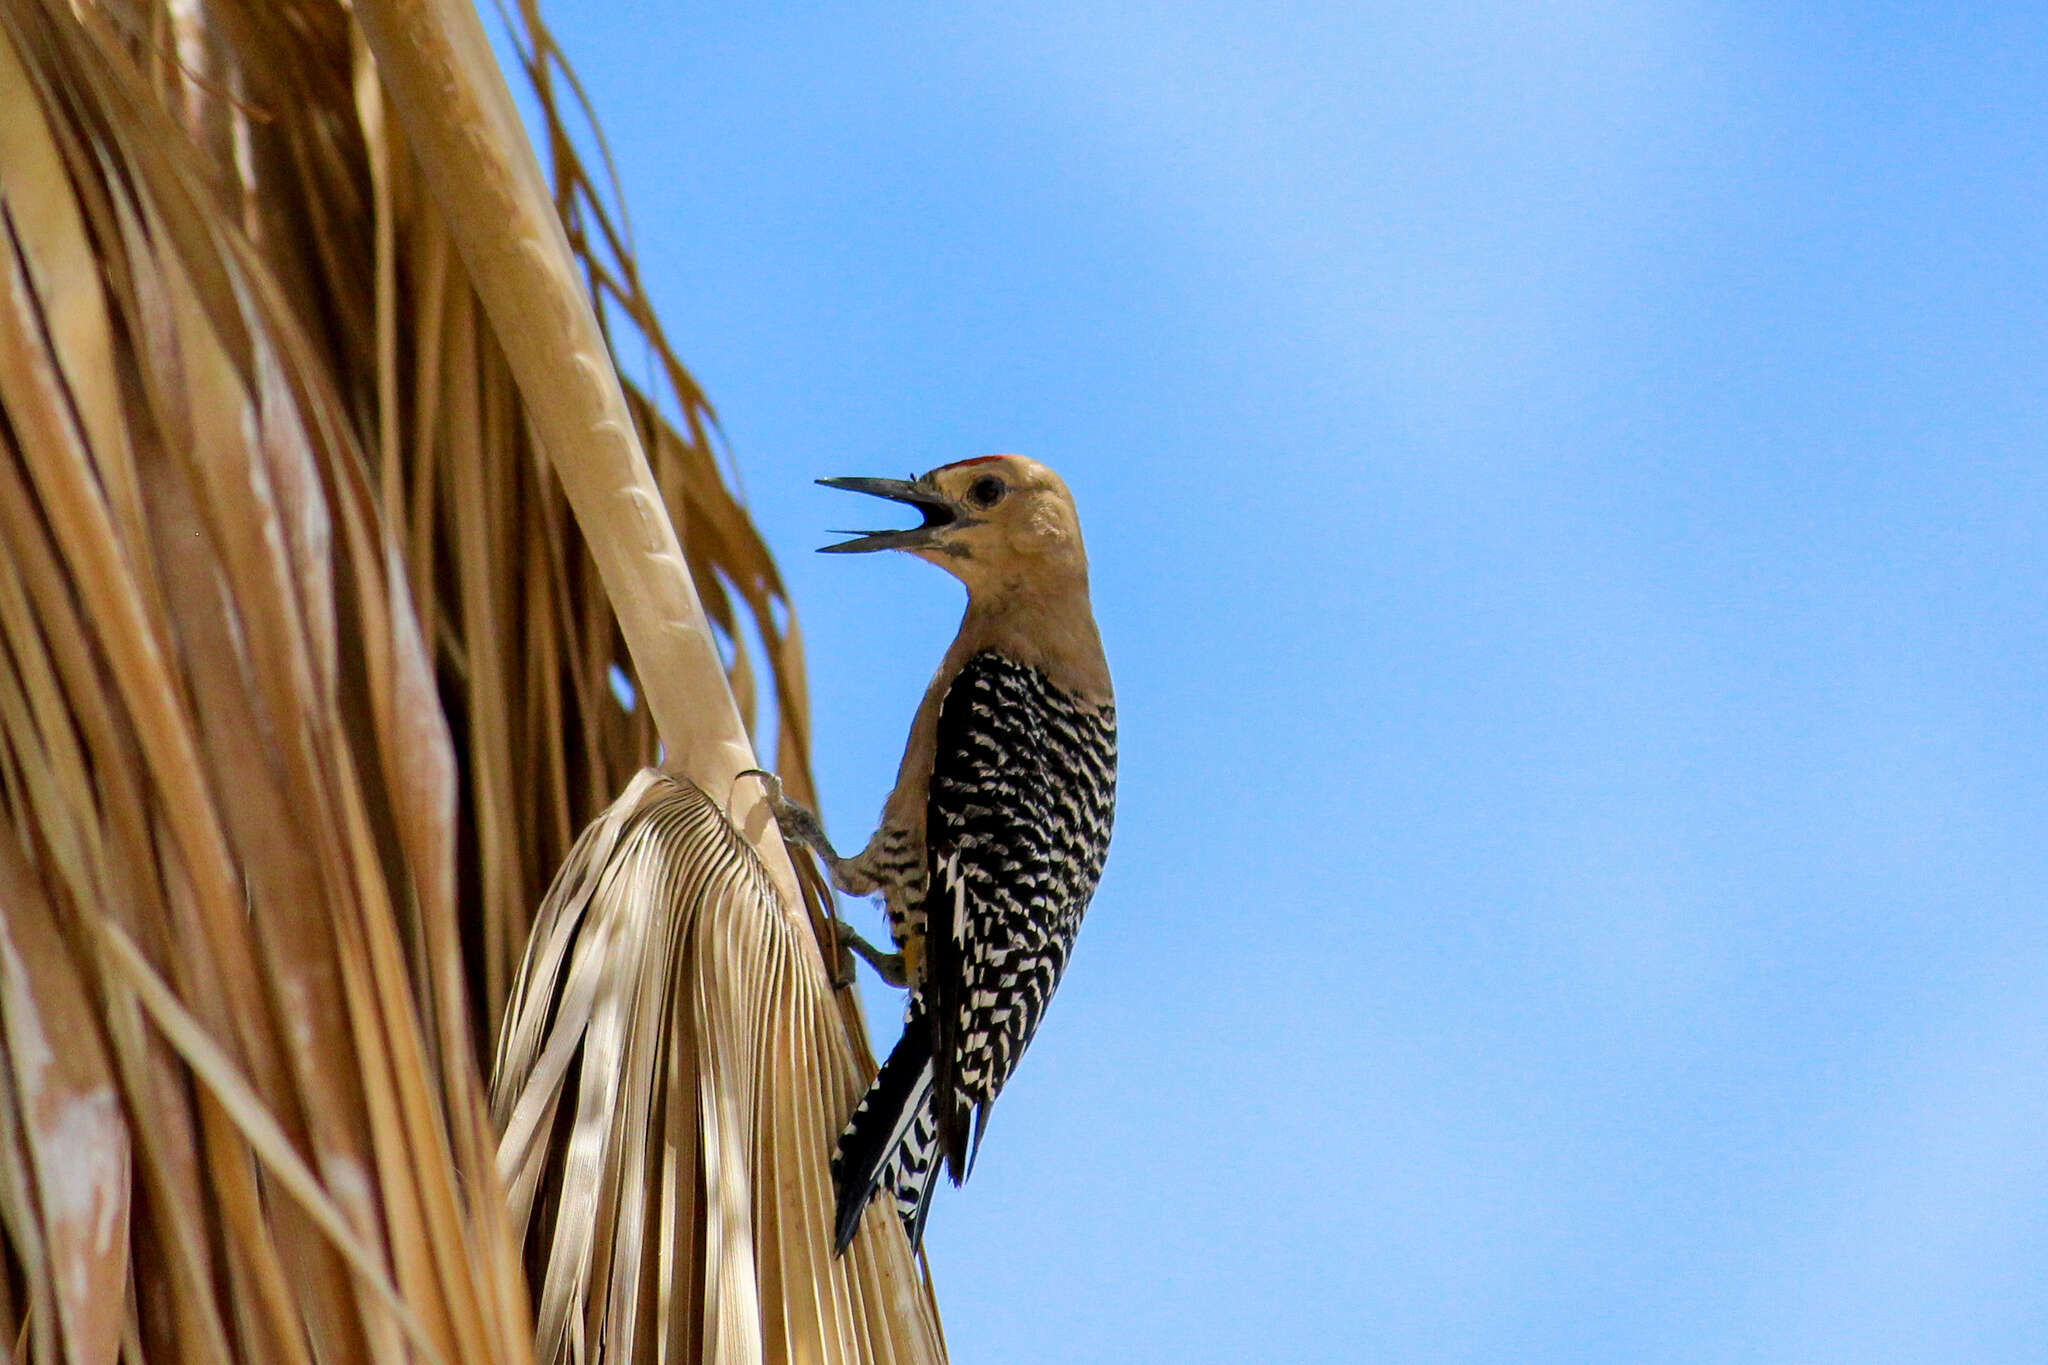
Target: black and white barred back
(1022, 796)
(1018, 821)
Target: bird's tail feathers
(889, 1141)
(912, 1173)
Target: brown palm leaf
(309, 674)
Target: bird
(993, 839)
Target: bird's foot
(799, 825)
(888, 966)
(840, 968)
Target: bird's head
(992, 521)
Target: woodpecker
(993, 839)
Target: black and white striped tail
(891, 1141)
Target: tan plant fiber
(337, 594)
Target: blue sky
(1566, 487)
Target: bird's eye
(987, 491)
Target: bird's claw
(888, 966)
(842, 964)
(799, 825)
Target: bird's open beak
(938, 515)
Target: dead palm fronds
(309, 675)
(667, 1072)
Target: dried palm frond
(227, 787)
(309, 673)
(769, 1283)
(682, 1186)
